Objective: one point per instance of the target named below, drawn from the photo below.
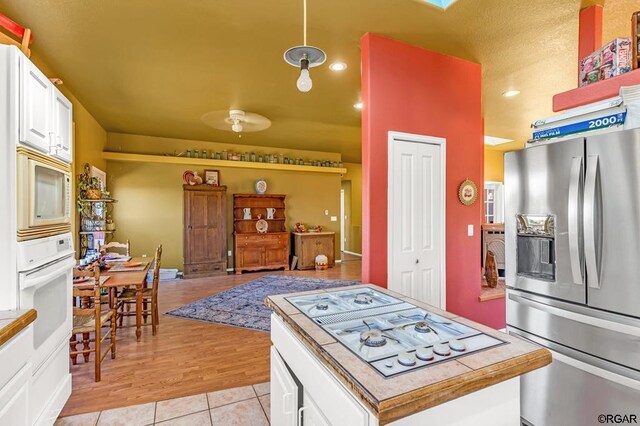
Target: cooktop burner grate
(362, 313)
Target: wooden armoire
(256, 251)
(205, 230)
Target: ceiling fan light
(236, 127)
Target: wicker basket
(93, 194)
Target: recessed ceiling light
(358, 105)
(493, 141)
(511, 93)
(338, 66)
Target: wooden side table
(306, 246)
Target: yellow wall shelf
(145, 158)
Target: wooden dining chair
(116, 245)
(127, 298)
(90, 317)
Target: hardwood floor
(186, 357)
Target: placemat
(119, 267)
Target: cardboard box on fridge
(612, 59)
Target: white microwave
(44, 196)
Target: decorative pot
(322, 262)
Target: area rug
(244, 307)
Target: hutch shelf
(94, 221)
(254, 251)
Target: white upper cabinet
(62, 132)
(35, 106)
(45, 114)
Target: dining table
(124, 278)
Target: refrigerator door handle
(576, 184)
(591, 212)
(559, 354)
(617, 327)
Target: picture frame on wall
(102, 177)
(212, 177)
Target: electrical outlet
(334, 218)
(469, 230)
(229, 253)
(144, 255)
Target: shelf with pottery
(207, 162)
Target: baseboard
(352, 253)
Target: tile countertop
(400, 396)
(13, 322)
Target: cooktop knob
(442, 349)
(457, 345)
(388, 363)
(425, 354)
(407, 358)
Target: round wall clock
(262, 226)
(261, 186)
(468, 192)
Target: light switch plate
(326, 212)
(229, 253)
(469, 230)
(334, 218)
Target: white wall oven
(44, 196)
(45, 275)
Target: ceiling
(155, 67)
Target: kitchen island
(350, 356)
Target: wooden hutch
(205, 230)
(258, 251)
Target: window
(493, 204)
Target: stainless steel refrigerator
(572, 229)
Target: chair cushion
(130, 294)
(87, 324)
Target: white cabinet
(325, 400)
(14, 408)
(62, 132)
(284, 393)
(46, 115)
(310, 414)
(15, 371)
(35, 106)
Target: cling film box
(612, 59)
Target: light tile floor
(243, 406)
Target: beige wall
(149, 208)
(354, 175)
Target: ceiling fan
(236, 121)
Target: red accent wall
(589, 31)
(413, 90)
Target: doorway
(349, 248)
(416, 217)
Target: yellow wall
(354, 175)
(149, 208)
(493, 165)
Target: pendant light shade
(305, 57)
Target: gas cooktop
(391, 335)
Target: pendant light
(304, 57)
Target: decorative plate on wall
(261, 186)
(262, 226)
(468, 192)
